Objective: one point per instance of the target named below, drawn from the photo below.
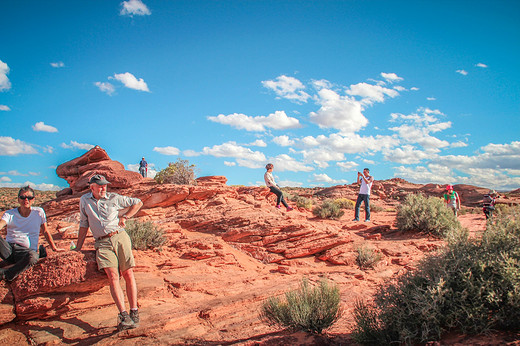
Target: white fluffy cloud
(277, 121)
(131, 82)
(283, 141)
(481, 65)
(285, 162)
(12, 147)
(258, 143)
(324, 178)
(371, 93)
(408, 154)
(172, 151)
(40, 187)
(462, 72)
(105, 87)
(42, 127)
(5, 84)
(440, 174)
(77, 145)
(391, 77)
(134, 7)
(287, 87)
(232, 149)
(57, 64)
(4, 108)
(339, 112)
(347, 166)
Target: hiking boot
(289, 208)
(134, 315)
(278, 206)
(124, 321)
(367, 220)
(355, 220)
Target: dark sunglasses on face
(30, 198)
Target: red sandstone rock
(78, 171)
(6, 304)
(62, 272)
(211, 181)
(228, 251)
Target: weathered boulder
(45, 289)
(78, 171)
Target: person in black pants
(271, 184)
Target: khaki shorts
(115, 252)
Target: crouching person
(24, 226)
(99, 211)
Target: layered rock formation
(78, 171)
(228, 250)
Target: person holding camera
(366, 180)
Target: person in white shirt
(366, 181)
(271, 184)
(24, 226)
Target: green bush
(308, 309)
(328, 210)
(471, 286)
(180, 173)
(367, 257)
(144, 235)
(303, 202)
(376, 208)
(345, 203)
(426, 214)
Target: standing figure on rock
(366, 181)
(143, 167)
(452, 199)
(271, 184)
(99, 211)
(24, 226)
(488, 203)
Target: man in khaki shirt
(99, 211)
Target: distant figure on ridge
(271, 184)
(488, 203)
(99, 211)
(366, 181)
(143, 168)
(452, 199)
(24, 226)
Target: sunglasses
(30, 198)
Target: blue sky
(428, 91)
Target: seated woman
(271, 184)
(24, 225)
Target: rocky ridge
(228, 249)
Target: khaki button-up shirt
(102, 215)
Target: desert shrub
(376, 208)
(180, 173)
(144, 235)
(310, 309)
(367, 257)
(425, 214)
(471, 286)
(288, 195)
(328, 210)
(345, 203)
(303, 202)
